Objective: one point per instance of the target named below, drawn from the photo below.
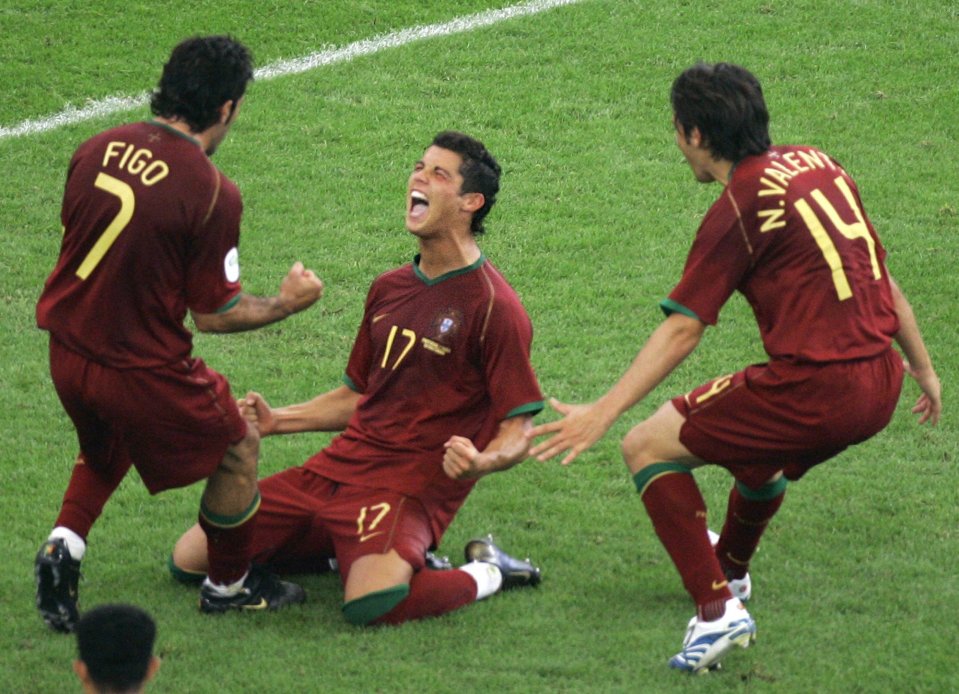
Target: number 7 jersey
(151, 229)
(790, 233)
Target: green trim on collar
(173, 130)
(462, 271)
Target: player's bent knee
(241, 458)
(183, 575)
(635, 449)
(372, 606)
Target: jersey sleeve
(718, 260)
(361, 355)
(506, 343)
(213, 274)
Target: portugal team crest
(443, 329)
(445, 325)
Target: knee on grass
(370, 607)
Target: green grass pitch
(856, 585)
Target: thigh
(774, 417)
(371, 521)
(290, 535)
(177, 421)
(102, 444)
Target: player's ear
(152, 669)
(80, 668)
(226, 111)
(473, 201)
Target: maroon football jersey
(432, 359)
(150, 229)
(790, 233)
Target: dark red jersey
(790, 233)
(151, 229)
(432, 359)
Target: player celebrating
(439, 391)
(151, 230)
(790, 233)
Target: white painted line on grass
(71, 115)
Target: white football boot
(707, 642)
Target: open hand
(580, 427)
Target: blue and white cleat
(741, 588)
(707, 642)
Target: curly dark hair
(479, 170)
(725, 102)
(203, 73)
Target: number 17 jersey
(790, 233)
(433, 358)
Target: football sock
(229, 539)
(87, 493)
(74, 542)
(184, 575)
(488, 577)
(678, 513)
(747, 514)
(370, 607)
(433, 593)
(226, 590)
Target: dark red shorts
(305, 518)
(173, 424)
(788, 417)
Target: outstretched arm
(300, 289)
(330, 411)
(461, 460)
(583, 425)
(918, 362)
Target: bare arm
(918, 362)
(583, 425)
(510, 445)
(330, 411)
(300, 289)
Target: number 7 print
(123, 191)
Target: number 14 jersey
(790, 233)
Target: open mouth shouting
(418, 206)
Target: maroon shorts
(173, 423)
(305, 518)
(788, 417)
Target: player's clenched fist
(257, 412)
(300, 289)
(460, 459)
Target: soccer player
(115, 649)
(790, 233)
(439, 391)
(151, 230)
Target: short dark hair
(479, 170)
(725, 102)
(116, 644)
(202, 74)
